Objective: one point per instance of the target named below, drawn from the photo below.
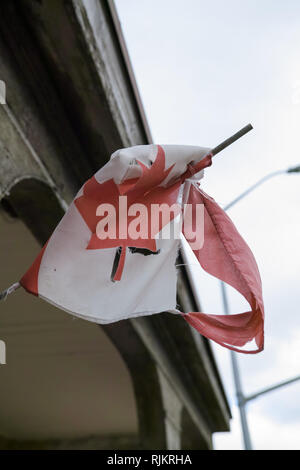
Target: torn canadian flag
(113, 255)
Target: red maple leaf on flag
(143, 190)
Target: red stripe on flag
(226, 256)
(30, 279)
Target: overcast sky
(204, 70)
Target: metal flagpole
(231, 139)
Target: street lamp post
(242, 400)
(237, 382)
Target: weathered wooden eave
(71, 101)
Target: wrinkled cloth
(74, 269)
